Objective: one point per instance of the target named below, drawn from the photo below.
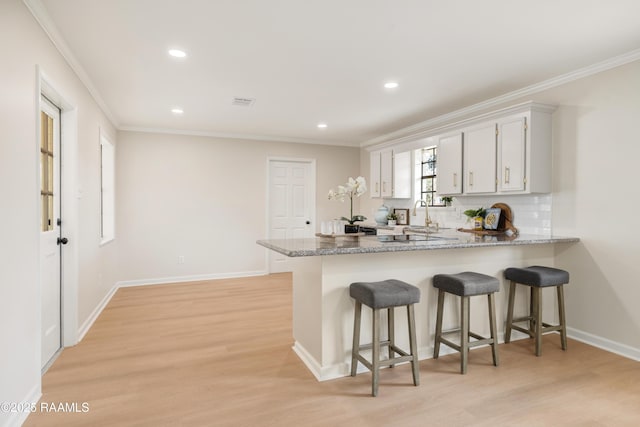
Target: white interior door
(50, 278)
(291, 205)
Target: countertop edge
(403, 247)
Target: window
(107, 193)
(49, 181)
(428, 177)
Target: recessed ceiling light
(177, 111)
(177, 53)
(391, 85)
(322, 125)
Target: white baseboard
(604, 344)
(86, 325)
(16, 419)
(192, 278)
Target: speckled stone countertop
(449, 239)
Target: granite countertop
(447, 239)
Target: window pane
(50, 134)
(49, 174)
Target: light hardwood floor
(218, 353)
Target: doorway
(51, 239)
(291, 205)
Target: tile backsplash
(531, 213)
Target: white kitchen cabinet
(390, 174)
(505, 152)
(374, 171)
(401, 175)
(524, 151)
(386, 173)
(479, 158)
(449, 164)
(511, 154)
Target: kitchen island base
(323, 310)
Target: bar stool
(466, 285)
(386, 294)
(536, 277)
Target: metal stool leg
(375, 361)
(356, 338)
(563, 323)
(512, 297)
(464, 334)
(436, 344)
(494, 331)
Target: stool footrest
(480, 340)
(545, 328)
(385, 362)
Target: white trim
(312, 364)
(236, 136)
(41, 15)
(106, 144)
(192, 278)
(418, 129)
(69, 142)
(88, 323)
(16, 419)
(604, 344)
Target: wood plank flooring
(218, 353)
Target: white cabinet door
(374, 182)
(449, 164)
(386, 173)
(402, 175)
(480, 159)
(511, 154)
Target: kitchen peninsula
(323, 310)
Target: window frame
(107, 189)
(423, 178)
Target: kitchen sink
(385, 238)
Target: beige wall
(204, 198)
(24, 45)
(596, 159)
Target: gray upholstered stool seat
(466, 285)
(536, 277)
(386, 294)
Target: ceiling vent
(243, 102)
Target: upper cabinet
(479, 159)
(390, 174)
(505, 152)
(449, 163)
(512, 153)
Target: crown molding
(237, 136)
(421, 128)
(41, 16)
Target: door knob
(308, 222)
(63, 241)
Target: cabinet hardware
(455, 180)
(470, 178)
(377, 186)
(384, 186)
(507, 175)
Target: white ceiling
(308, 61)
